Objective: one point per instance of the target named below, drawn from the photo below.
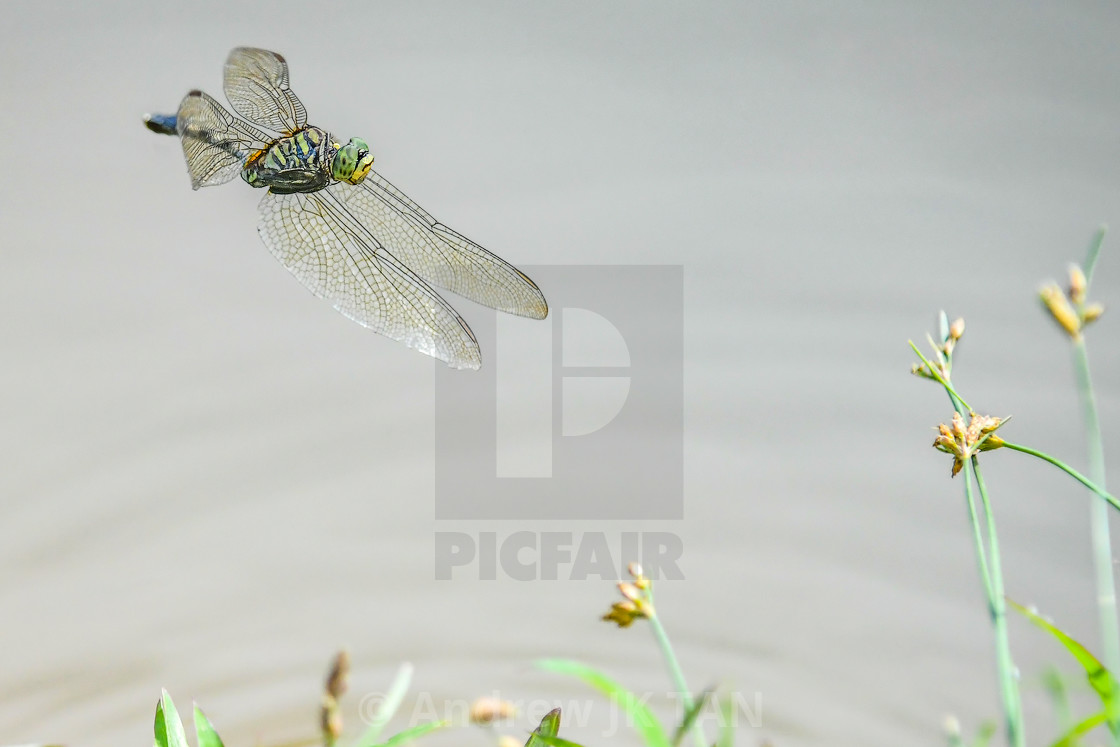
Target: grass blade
(388, 707)
(409, 735)
(726, 723)
(1086, 726)
(691, 716)
(1100, 679)
(204, 731)
(168, 728)
(639, 713)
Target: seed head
(624, 613)
(963, 441)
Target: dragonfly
(341, 228)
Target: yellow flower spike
(1060, 309)
(1091, 313)
(1077, 285)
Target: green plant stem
(936, 376)
(1098, 517)
(674, 668)
(992, 578)
(977, 536)
(1068, 470)
(997, 608)
(1094, 254)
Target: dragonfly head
(352, 161)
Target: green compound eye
(352, 162)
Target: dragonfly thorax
(307, 161)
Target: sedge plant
(970, 434)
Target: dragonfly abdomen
(300, 162)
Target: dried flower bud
(1077, 285)
(486, 710)
(339, 675)
(630, 591)
(635, 569)
(956, 329)
(985, 423)
(960, 430)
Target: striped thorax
(307, 161)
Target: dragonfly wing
(320, 240)
(215, 143)
(256, 84)
(436, 253)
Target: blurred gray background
(210, 480)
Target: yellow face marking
(362, 169)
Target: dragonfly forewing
(256, 84)
(439, 255)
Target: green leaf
(388, 707)
(639, 713)
(691, 716)
(204, 730)
(1100, 679)
(168, 728)
(943, 326)
(409, 735)
(1080, 730)
(549, 727)
(554, 741)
